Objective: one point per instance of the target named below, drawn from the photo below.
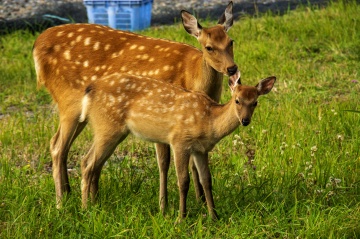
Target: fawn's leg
(199, 192)
(202, 164)
(181, 160)
(102, 148)
(163, 159)
(69, 129)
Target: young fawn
(69, 57)
(190, 122)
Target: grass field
(293, 173)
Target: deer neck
(224, 120)
(209, 81)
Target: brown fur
(189, 122)
(69, 57)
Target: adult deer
(69, 57)
(190, 122)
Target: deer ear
(190, 23)
(227, 19)
(266, 85)
(234, 80)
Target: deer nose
(232, 70)
(245, 122)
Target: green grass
(293, 173)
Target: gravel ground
(20, 14)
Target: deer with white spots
(70, 57)
(190, 122)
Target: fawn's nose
(232, 70)
(245, 122)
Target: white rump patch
(84, 109)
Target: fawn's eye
(209, 48)
(237, 101)
(231, 43)
(255, 104)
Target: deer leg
(199, 192)
(181, 160)
(163, 159)
(93, 162)
(60, 145)
(202, 164)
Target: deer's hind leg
(69, 129)
(105, 143)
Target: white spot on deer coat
(78, 38)
(124, 80)
(71, 34)
(59, 34)
(86, 63)
(107, 47)
(132, 47)
(57, 48)
(111, 99)
(144, 57)
(67, 55)
(96, 46)
(87, 41)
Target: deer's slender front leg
(163, 158)
(202, 164)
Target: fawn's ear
(190, 23)
(227, 19)
(265, 85)
(234, 80)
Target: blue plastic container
(131, 15)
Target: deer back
(69, 57)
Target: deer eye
(255, 104)
(237, 101)
(231, 43)
(209, 48)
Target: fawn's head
(216, 45)
(245, 98)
